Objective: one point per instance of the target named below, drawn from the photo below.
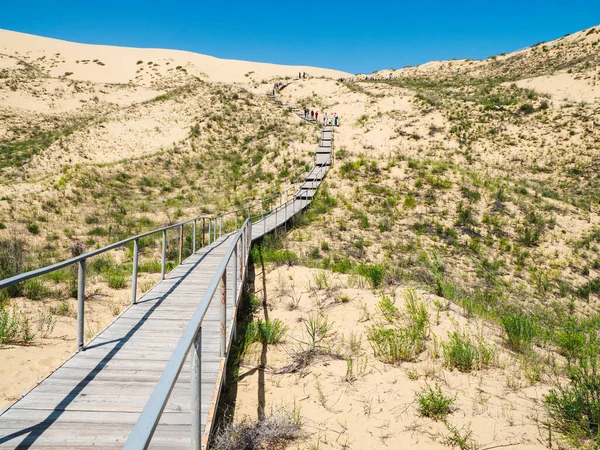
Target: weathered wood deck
(95, 398)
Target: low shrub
(115, 279)
(433, 403)
(575, 407)
(274, 431)
(399, 335)
(267, 332)
(520, 331)
(35, 289)
(152, 266)
(461, 353)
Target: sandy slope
(407, 146)
(105, 64)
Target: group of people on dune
(334, 120)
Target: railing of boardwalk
(141, 435)
(204, 229)
(239, 223)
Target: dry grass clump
(271, 432)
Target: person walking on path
(317, 116)
(312, 115)
(335, 119)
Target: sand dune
(107, 64)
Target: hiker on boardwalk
(312, 115)
(335, 120)
(317, 116)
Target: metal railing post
(80, 304)
(180, 243)
(221, 226)
(223, 313)
(286, 213)
(249, 211)
(164, 255)
(134, 275)
(249, 239)
(234, 263)
(194, 238)
(234, 290)
(196, 380)
(236, 219)
(215, 230)
(241, 258)
(209, 230)
(203, 230)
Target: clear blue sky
(355, 36)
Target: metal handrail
(215, 231)
(145, 426)
(144, 429)
(60, 265)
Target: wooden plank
(323, 160)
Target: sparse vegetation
(399, 335)
(266, 332)
(269, 432)
(433, 403)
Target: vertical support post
(203, 230)
(249, 211)
(215, 230)
(80, 304)
(221, 226)
(196, 380)
(248, 244)
(194, 238)
(180, 243)
(223, 313)
(285, 221)
(163, 266)
(236, 219)
(234, 263)
(241, 256)
(134, 275)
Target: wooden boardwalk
(95, 398)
